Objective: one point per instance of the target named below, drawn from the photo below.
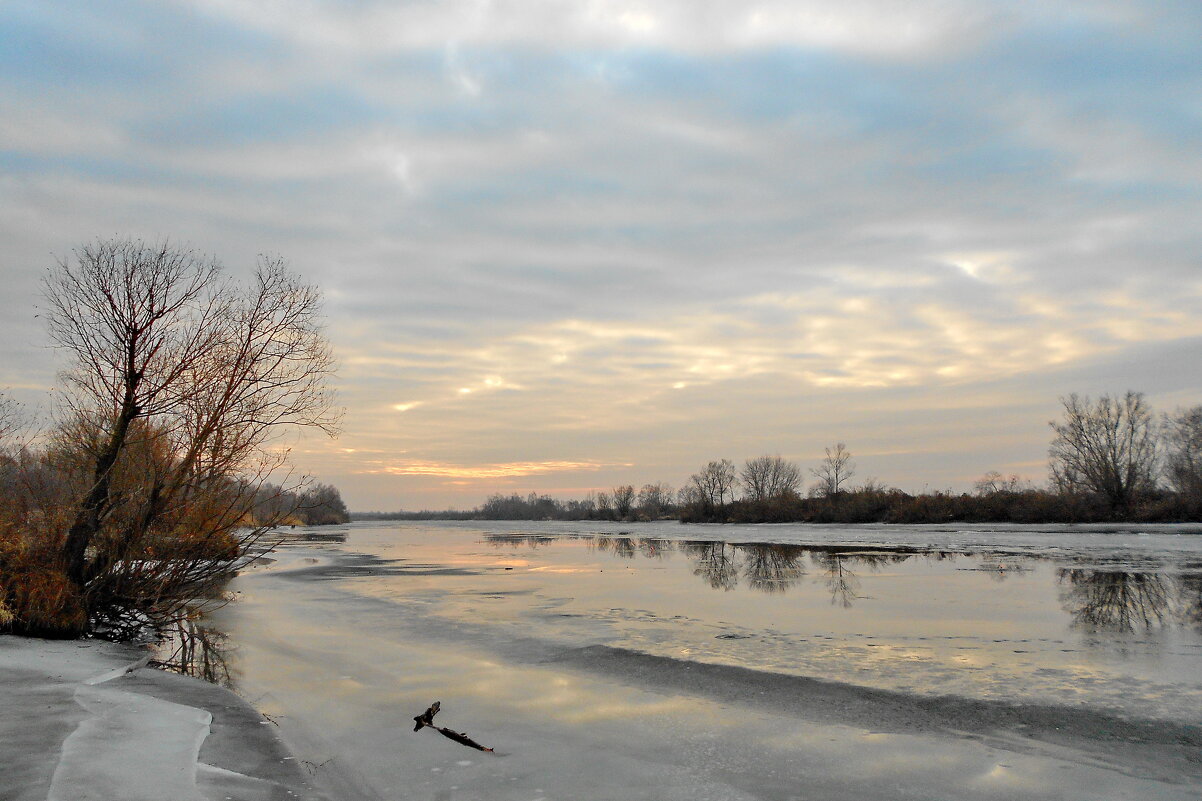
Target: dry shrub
(154, 552)
(36, 597)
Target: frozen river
(780, 662)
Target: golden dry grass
(36, 596)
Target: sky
(570, 245)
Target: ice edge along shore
(88, 721)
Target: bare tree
(689, 498)
(1183, 443)
(623, 500)
(322, 504)
(605, 507)
(1107, 447)
(178, 380)
(654, 500)
(994, 483)
(10, 418)
(582, 509)
(770, 477)
(834, 471)
(715, 483)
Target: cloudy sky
(570, 244)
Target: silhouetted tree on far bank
(314, 505)
(994, 483)
(768, 478)
(1183, 455)
(714, 483)
(623, 501)
(655, 500)
(321, 504)
(605, 506)
(834, 471)
(1107, 447)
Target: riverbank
(87, 720)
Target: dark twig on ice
(313, 767)
(427, 719)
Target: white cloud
(617, 224)
(858, 26)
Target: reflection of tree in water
(1001, 569)
(1114, 600)
(654, 548)
(1189, 589)
(772, 568)
(840, 580)
(875, 561)
(518, 540)
(715, 562)
(626, 547)
(619, 546)
(196, 650)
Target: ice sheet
(616, 669)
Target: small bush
(36, 598)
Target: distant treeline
(314, 505)
(1110, 460)
(868, 503)
(425, 514)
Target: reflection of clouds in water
(925, 627)
(517, 540)
(766, 567)
(1097, 600)
(654, 548)
(1000, 571)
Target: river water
(781, 662)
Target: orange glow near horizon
(502, 470)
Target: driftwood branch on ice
(427, 719)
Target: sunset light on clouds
(566, 245)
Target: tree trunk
(92, 508)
